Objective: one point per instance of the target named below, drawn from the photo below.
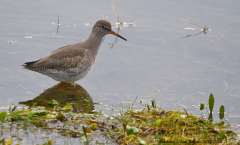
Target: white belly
(68, 75)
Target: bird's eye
(102, 27)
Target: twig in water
(205, 29)
(176, 108)
(134, 101)
(58, 24)
(191, 23)
(114, 9)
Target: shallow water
(157, 55)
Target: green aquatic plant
(3, 116)
(149, 125)
(211, 106)
(221, 112)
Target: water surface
(184, 71)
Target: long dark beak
(116, 34)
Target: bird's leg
(61, 88)
(75, 90)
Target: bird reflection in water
(81, 102)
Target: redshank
(73, 62)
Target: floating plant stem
(58, 24)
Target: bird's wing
(64, 57)
(73, 62)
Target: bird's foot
(75, 90)
(73, 86)
(61, 88)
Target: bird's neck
(94, 43)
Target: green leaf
(83, 139)
(161, 138)
(2, 141)
(64, 124)
(85, 133)
(202, 106)
(34, 105)
(93, 126)
(30, 114)
(67, 107)
(49, 142)
(221, 112)
(14, 107)
(52, 102)
(41, 112)
(20, 118)
(131, 130)
(51, 116)
(38, 113)
(185, 111)
(141, 141)
(176, 114)
(121, 129)
(211, 102)
(153, 104)
(222, 134)
(56, 107)
(61, 117)
(3, 115)
(210, 117)
(148, 107)
(158, 122)
(22, 112)
(219, 124)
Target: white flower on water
(28, 37)
(189, 28)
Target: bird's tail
(28, 65)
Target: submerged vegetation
(148, 125)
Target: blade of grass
(211, 102)
(85, 134)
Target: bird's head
(103, 27)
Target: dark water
(157, 55)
